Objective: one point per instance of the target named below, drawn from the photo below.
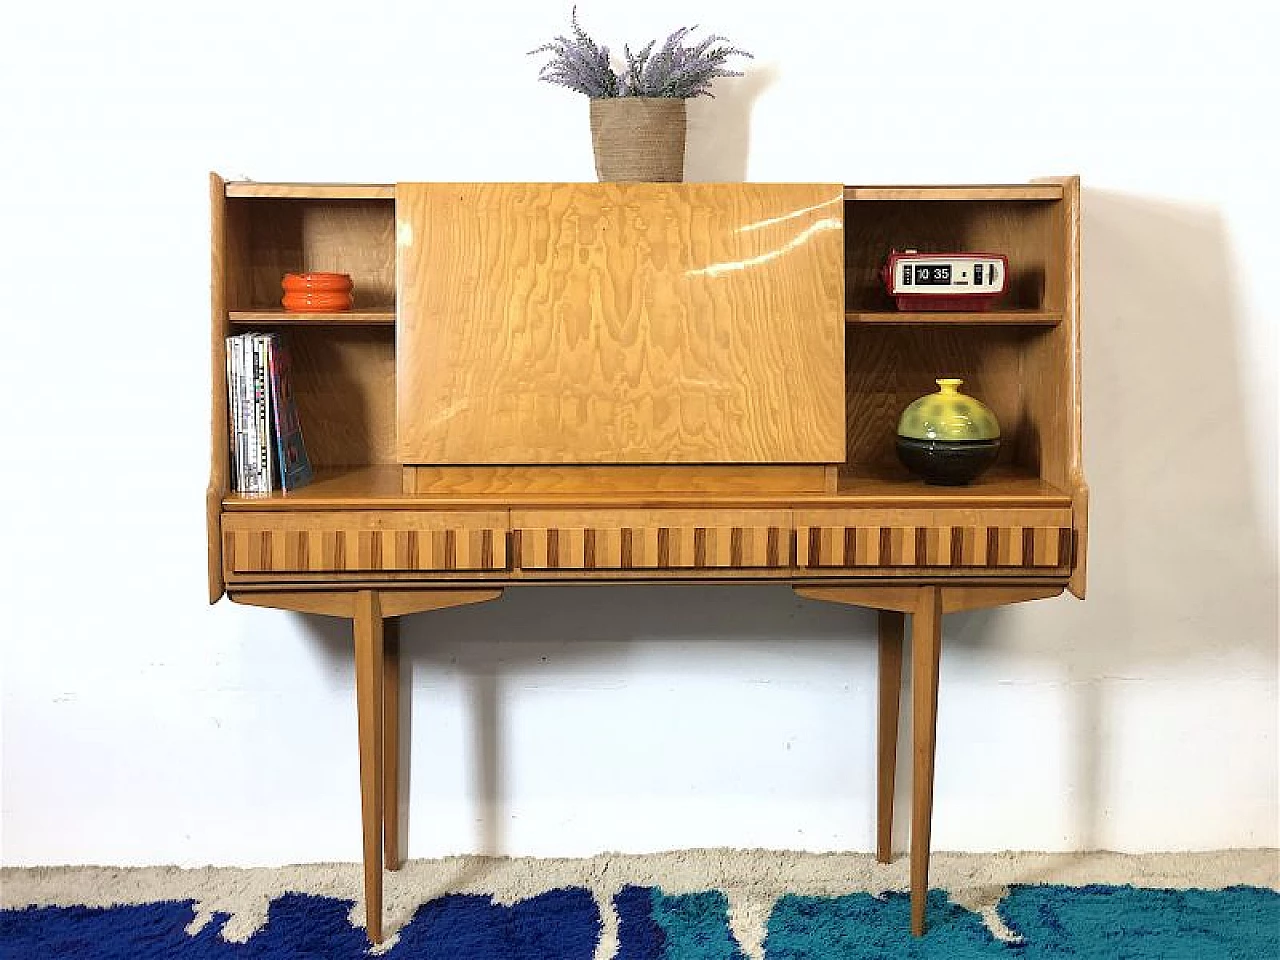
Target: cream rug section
(753, 880)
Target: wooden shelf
(1015, 191)
(947, 318)
(311, 191)
(345, 318)
(1003, 486)
(380, 486)
(332, 487)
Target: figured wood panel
(620, 323)
(363, 541)
(1030, 539)
(651, 539)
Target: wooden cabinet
(647, 382)
(708, 345)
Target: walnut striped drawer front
(1036, 539)
(651, 539)
(363, 541)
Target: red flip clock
(945, 281)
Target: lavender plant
(676, 69)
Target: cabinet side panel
(1079, 486)
(620, 323)
(218, 449)
(1051, 366)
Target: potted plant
(638, 112)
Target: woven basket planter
(638, 138)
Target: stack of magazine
(266, 438)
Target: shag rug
(686, 905)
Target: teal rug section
(862, 925)
(1049, 923)
(695, 926)
(1236, 923)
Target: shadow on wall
(1181, 569)
(718, 139)
(1180, 521)
(597, 629)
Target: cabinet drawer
(363, 541)
(651, 539)
(1027, 538)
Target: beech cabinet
(543, 383)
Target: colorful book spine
(265, 435)
(248, 419)
(295, 466)
(263, 457)
(233, 412)
(239, 412)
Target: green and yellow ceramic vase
(948, 437)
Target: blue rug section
(640, 936)
(1052, 922)
(690, 926)
(297, 927)
(559, 925)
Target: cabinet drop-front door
(620, 323)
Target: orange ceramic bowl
(316, 292)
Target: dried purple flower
(579, 64)
(676, 69)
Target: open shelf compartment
(1020, 372)
(1029, 232)
(268, 237)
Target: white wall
(141, 726)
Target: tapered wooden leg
(369, 693)
(926, 648)
(892, 625)
(391, 743)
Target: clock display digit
(933, 274)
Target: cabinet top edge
(310, 191)
(985, 191)
(1053, 190)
